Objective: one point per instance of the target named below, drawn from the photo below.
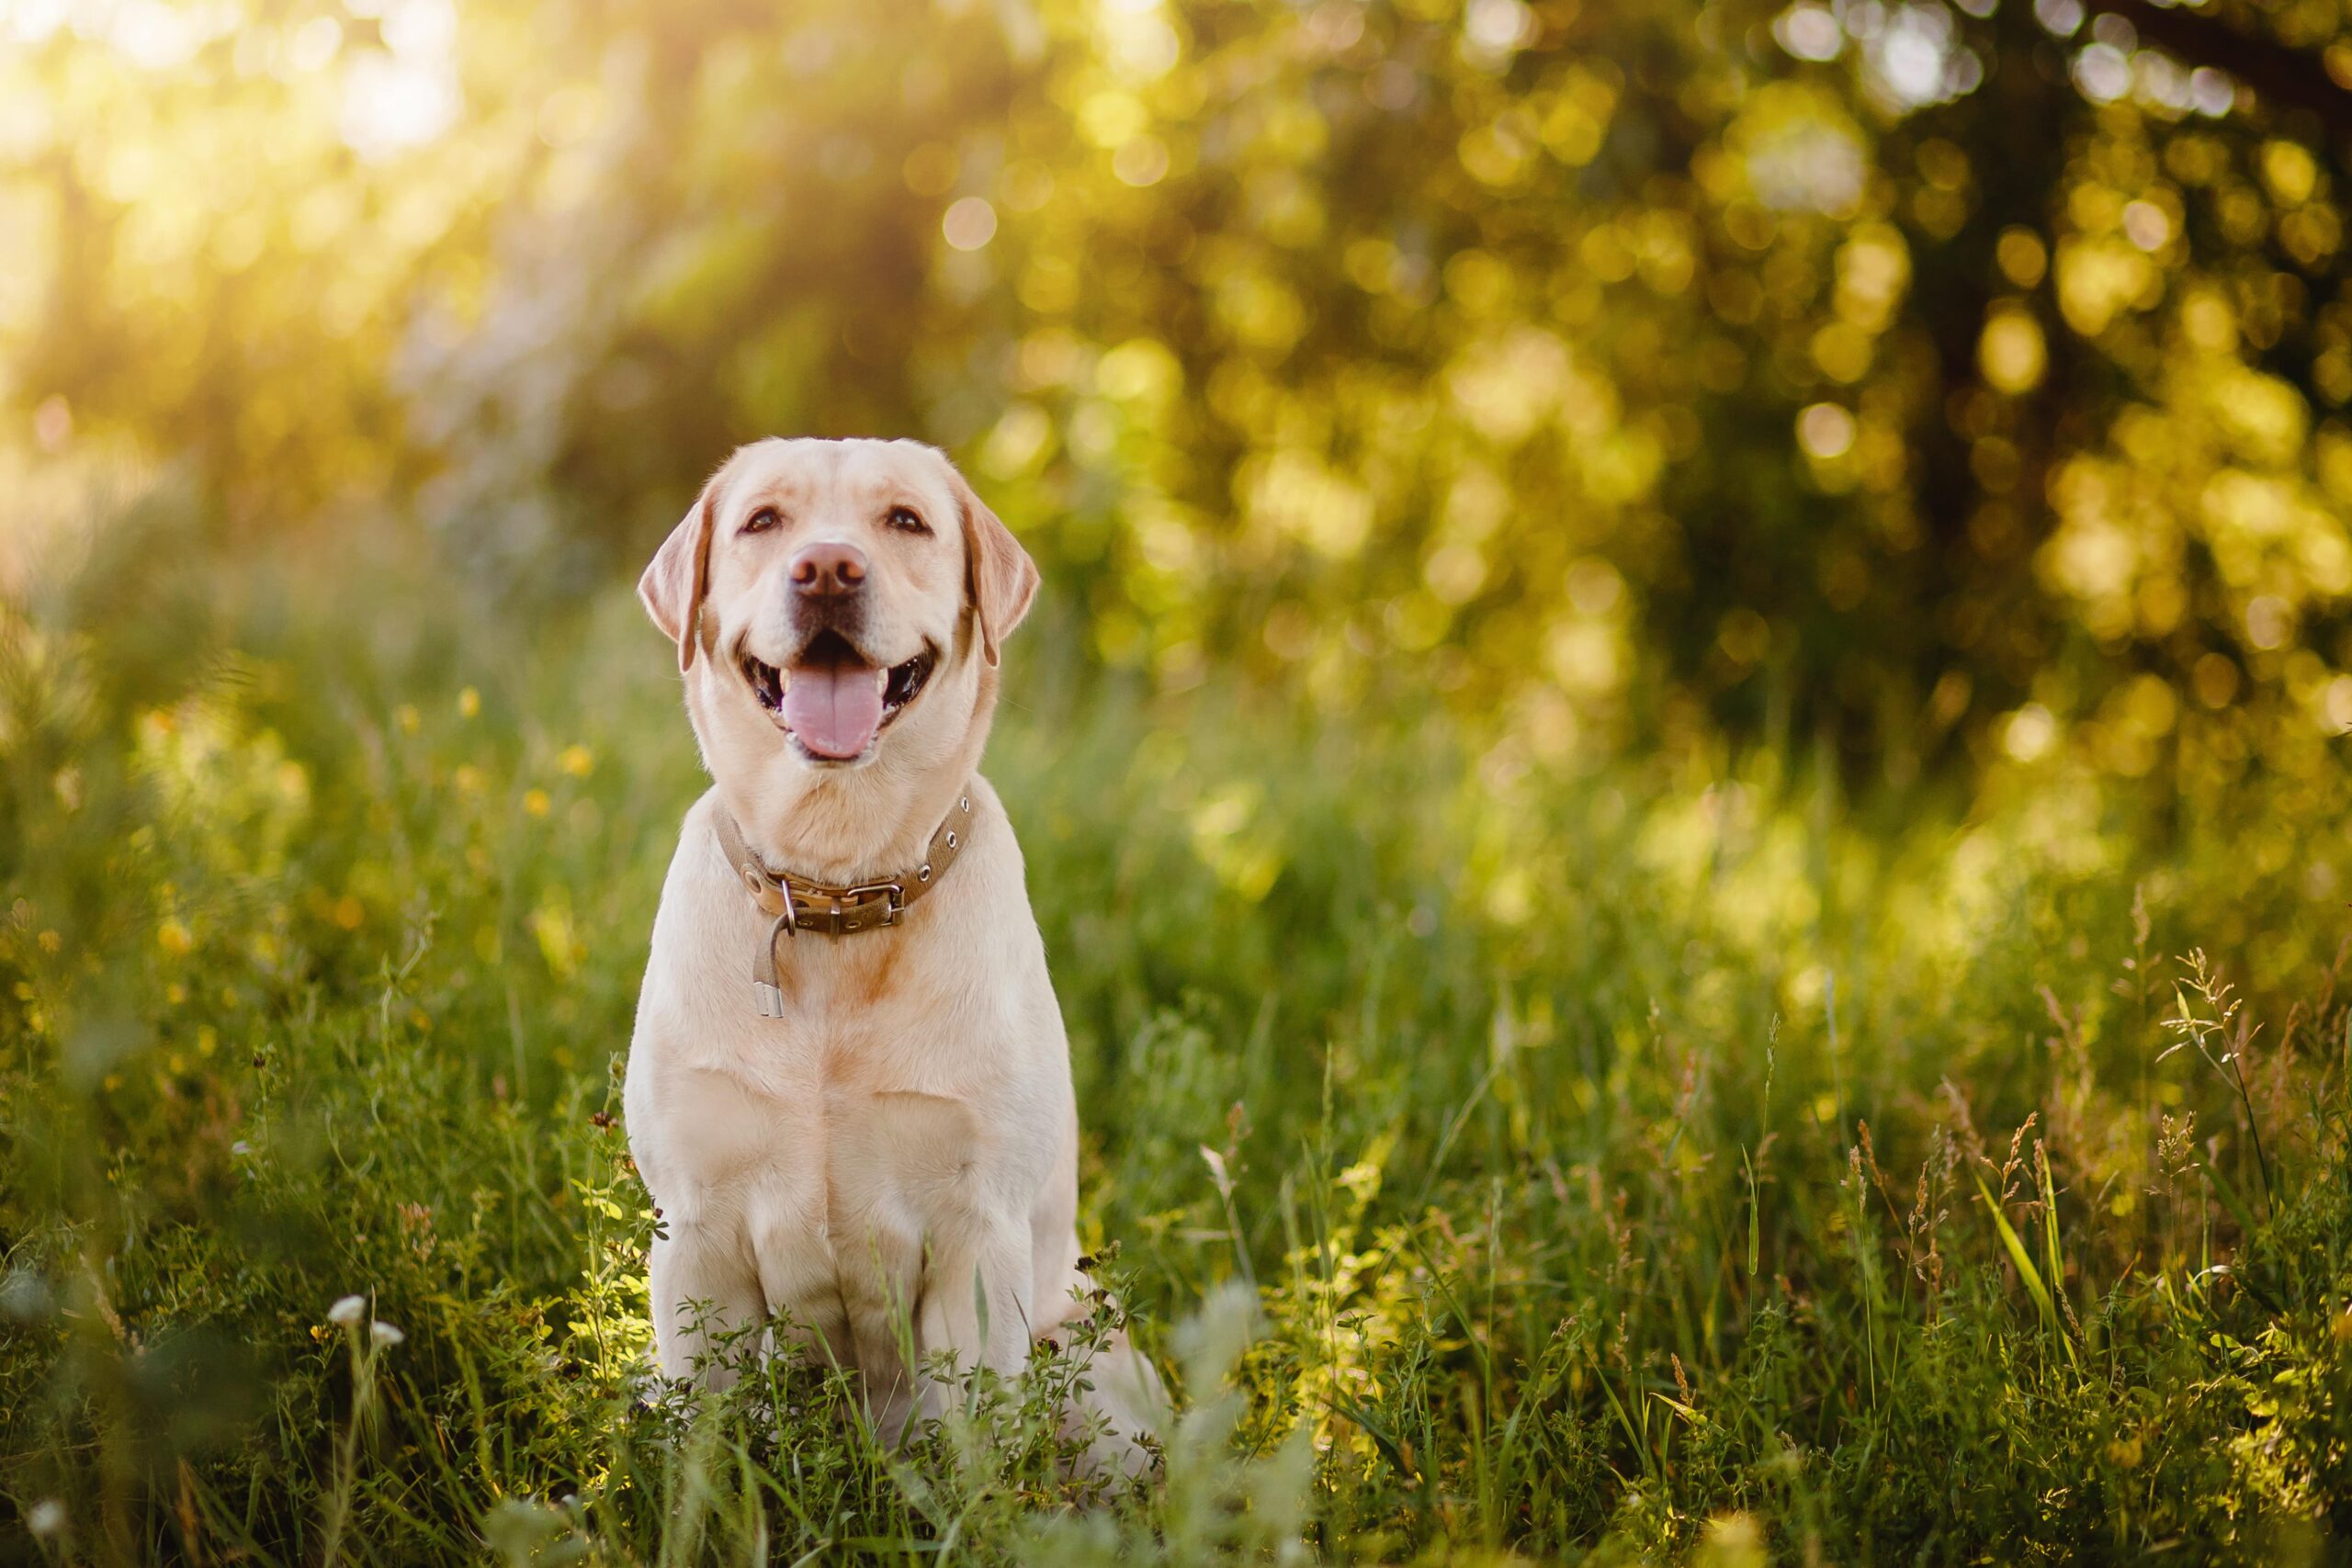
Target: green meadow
(1681, 1156)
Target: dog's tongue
(834, 708)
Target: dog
(849, 1088)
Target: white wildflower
(383, 1333)
(349, 1311)
(46, 1517)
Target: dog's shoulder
(697, 858)
(695, 922)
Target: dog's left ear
(674, 582)
(1002, 578)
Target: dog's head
(838, 602)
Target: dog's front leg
(703, 1291)
(976, 1303)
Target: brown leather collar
(801, 905)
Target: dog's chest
(826, 1098)
(835, 1142)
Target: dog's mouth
(831, 700)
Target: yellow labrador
(849, 1090)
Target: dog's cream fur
(904, 1141)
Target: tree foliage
(1893, 373)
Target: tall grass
(1652, 1157)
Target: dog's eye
(907, 520)
(760, 521)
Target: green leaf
(2026, 1270)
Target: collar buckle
(893, 905)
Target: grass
(1655, 1157)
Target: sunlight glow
(32, 21)
(403, 99)
(392, 105)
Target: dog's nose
(828, 570)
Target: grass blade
(2026, 1270)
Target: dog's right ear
(674, 582)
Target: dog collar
(801, 905)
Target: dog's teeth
(882, 682)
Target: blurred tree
(1903, 373)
